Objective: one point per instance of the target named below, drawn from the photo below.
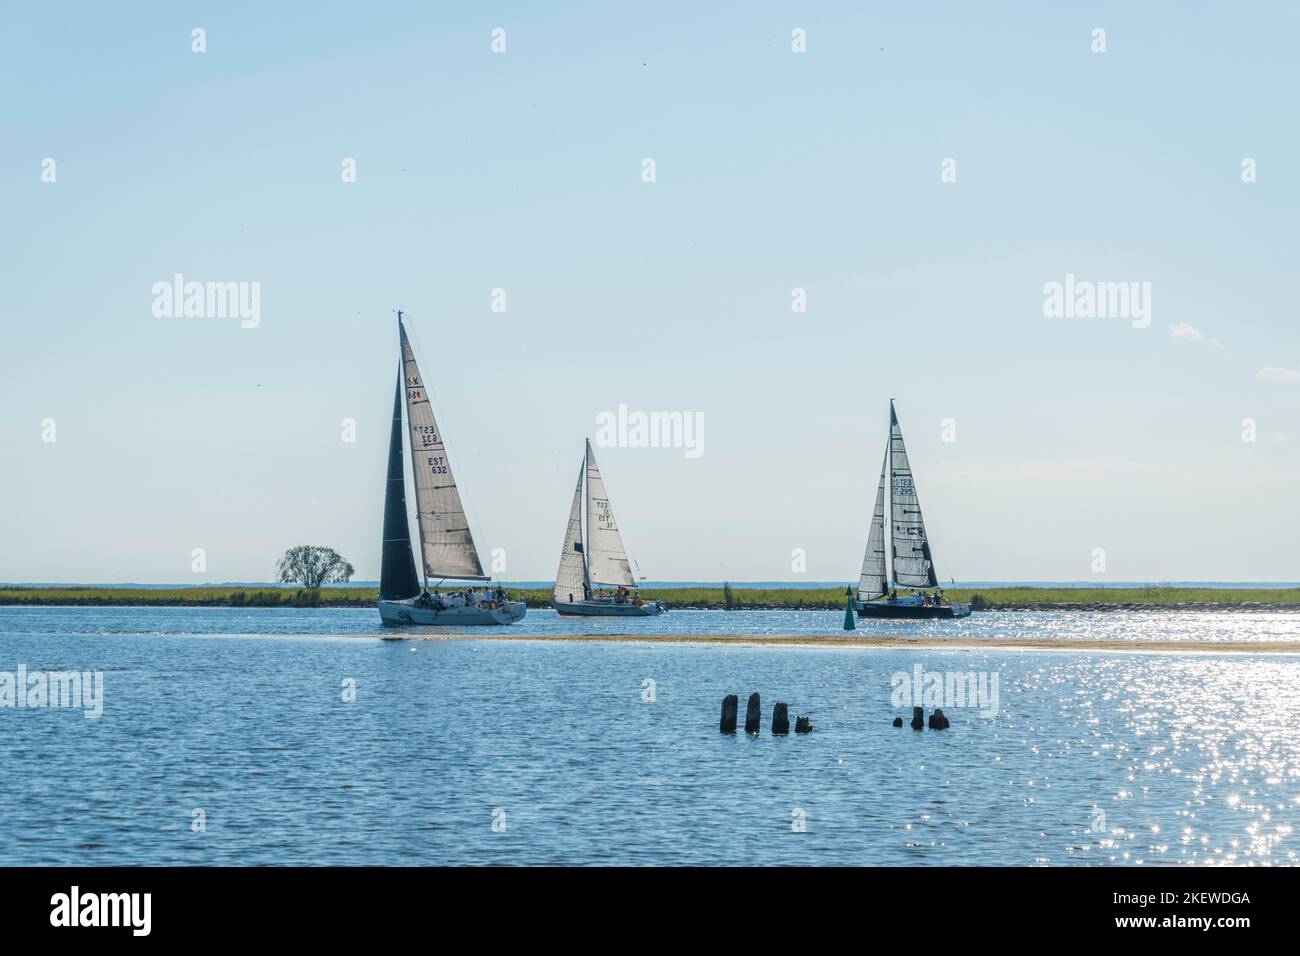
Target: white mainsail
(607, 562)
(445, 540)
(874, 574)
(571, 578)
(912, 564)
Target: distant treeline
(193, 597)
(724, 598)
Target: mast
(583, 529)
(888, 527)
(424, 570)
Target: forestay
(874, 574)
(572, 576)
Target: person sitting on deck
(471, 599)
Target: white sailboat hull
(607, 609)
(406, 614)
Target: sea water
(1036, 625)
(267, 736)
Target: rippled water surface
(1036, 625)
(1090, 759)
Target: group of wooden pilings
(937, 720)
(753, 716)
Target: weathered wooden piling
(898, 721)
(938, 721)
(780, 720)
(730, 704)
(753, 715)
(918, 718)
(802, 725)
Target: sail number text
(903, 486)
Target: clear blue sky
(775, 170)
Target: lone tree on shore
(313, 566)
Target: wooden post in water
(780, 720)
(802, 725)
(918, 718)
(849, 624)
(730, 704)
(938, 721)
(753, 715)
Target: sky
(922, 173)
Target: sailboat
(600, 561)
(447, 549)
(912, 561)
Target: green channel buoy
(849, 624)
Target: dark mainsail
(397, 580)
(913, 566)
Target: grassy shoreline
(999, 599)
